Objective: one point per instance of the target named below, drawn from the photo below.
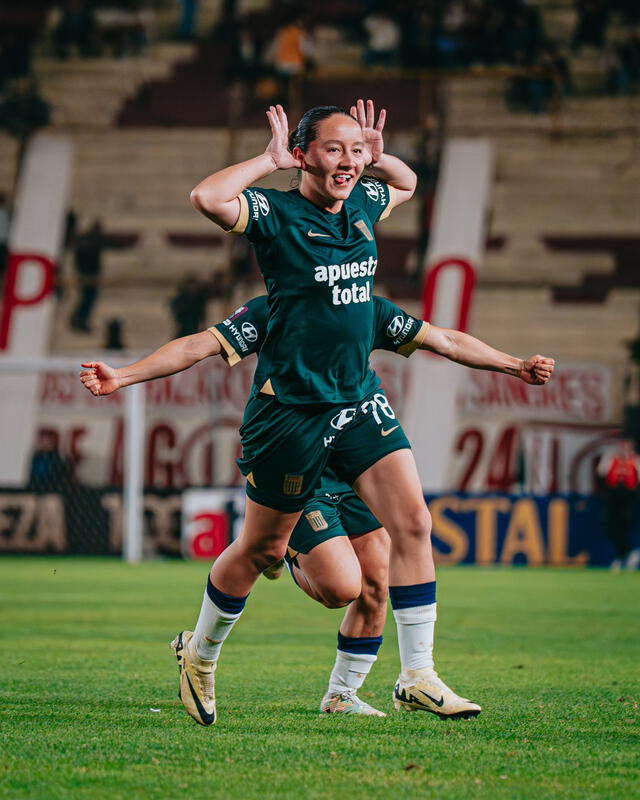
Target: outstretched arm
(175, 356)
(217, 196)
(471, 352)
(384, 167)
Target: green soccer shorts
(286, 448)
(327, 516)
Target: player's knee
(374, 595)
(267, 554)
(415, 524)
(413, 528)
(339, 596)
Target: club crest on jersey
(259, 204)
(292, 484)
(249, 332)
(361, 225)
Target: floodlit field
(90, 709)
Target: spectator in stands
(188, 20)
(77, 28)
(124, 30)
(553, 81)
(50, 472)
(15, 56)
(292, 54)
(383, 40)
(620, 471)
(88, 250)
(23, 110)
(624, 72)
(450, 40)
(21, 26)
(188, 305)
(418, 40)
(70, 229)
(113, 334)
(591, 24)
(524, 36)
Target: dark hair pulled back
(307, 129)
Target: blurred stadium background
(522, 121)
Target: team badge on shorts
(292, 484)
(317, 521)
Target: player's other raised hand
(279, 144)
(371, 132)
(99, 378)
(537, 370)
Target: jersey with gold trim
(319, 270)
(243, 333)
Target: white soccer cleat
(197, 680)
(348, 702)
(422, 690)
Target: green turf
(552, 655)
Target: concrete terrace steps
(561, 160)
(536, 264)
(516, 320)
(90, 92)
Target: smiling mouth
(342, 179)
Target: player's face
(334, 161)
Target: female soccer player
(338, 552)
(315, 401)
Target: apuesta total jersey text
(344, 295)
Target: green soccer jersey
(319, 270)
(244, 332)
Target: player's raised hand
(99, 378)
(537, 370)
(371, 132)
(278, 146)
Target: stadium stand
(561, 176)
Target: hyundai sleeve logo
(395, 326)
(249, 332)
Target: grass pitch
(90, 711)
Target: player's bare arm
(471, 352)
(217, 196)
(381, 165)
(175, 356)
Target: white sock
(349, 671)
(415, 635)
(212, 628)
